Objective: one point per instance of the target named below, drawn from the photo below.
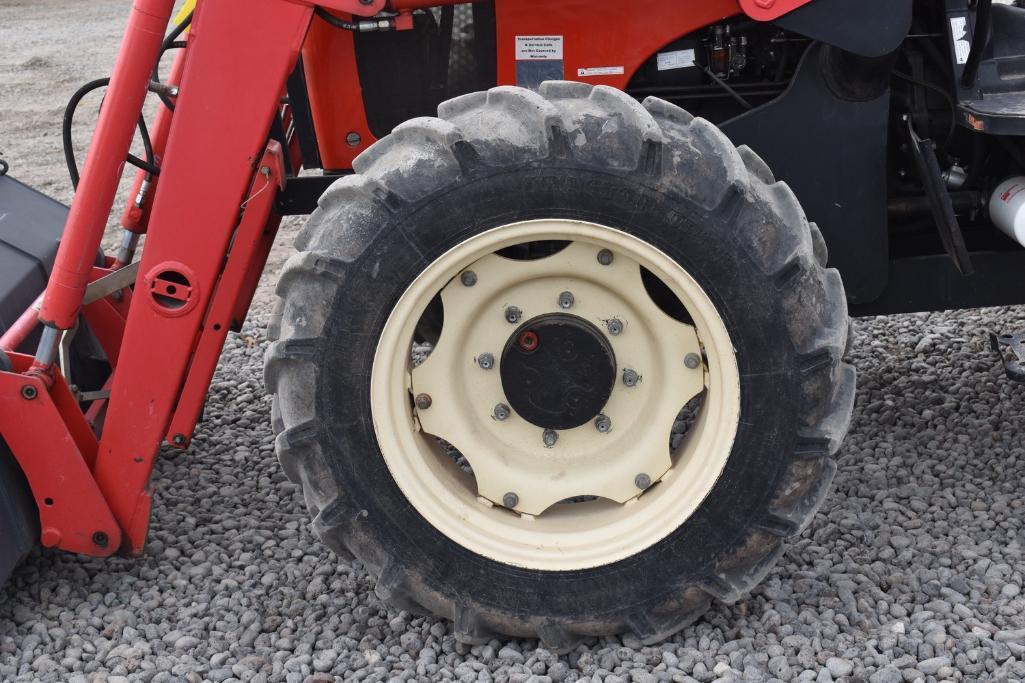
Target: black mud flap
(30, 227)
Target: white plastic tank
(1007, 208)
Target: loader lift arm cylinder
(97, 188)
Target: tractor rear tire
(587, 156)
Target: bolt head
(353, 139)
(468, 278)
(605, 257)
(603, 424)
(513, 314)
(642, 481)
(100, 539)
(502, 412)
(29, 392)
(630, 377)
(692, 361)
(423, 401)
(566, 300)
(549, 437)
(614, 326)
(178, 439)
(486, 361)
(510, 500)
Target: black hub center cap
(558, 371)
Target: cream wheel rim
(511, 503)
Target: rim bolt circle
(502, 412)
(510, 500)
(513, 314)
(603, 424)
(486, 361)
(566, 300)
(549, 437)
(642, 481)
(614, 325)
(423, 401)
(605, 257)
(468, 278)
(630, 377)
(692, 361)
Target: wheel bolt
(692, 361)
(566, 300)
(614, 325)
(510, 500)
(513, 314)
(605, 257)
(486, 361)
(423, 401)
(603, 424)
(630, 377)
(502, 412)
(642, 481)
(468, 278)
(549, 437)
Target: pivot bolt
(502, 412)
(614, 325)
(549, 437)
(28, 392)
(468, 278)
(510, 500)
(630, 377)
(603, 424)
(100, 539)
(566, 300)
(513, 314)
(486, 361)
(692, 361)
(423, 401)
(605, 257)
(642, 481)
(178, 439)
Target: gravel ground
(911, 572)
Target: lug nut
(642, 481)
(614, 325)
(605, 257)
(501, 412)
(510, 500)
(513, 314)
(630, 377)
(486, 361)
(423, 401)
(692, 361)
(549, 437)
(603, 424)
(566, 300)
(468, 278)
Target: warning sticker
(538, 59)
(959, 32)
(601, 71)
(533, 48)
(676, 59)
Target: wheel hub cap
(558, 371)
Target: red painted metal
(233, 67)
(248, 254)
(16, 334)
(362, 8)
(54, 446)
(105, 162)
(768, 10)
(134, 218)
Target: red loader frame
(210, 223)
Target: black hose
(335, 21)
(171, 42)
(149, 165)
